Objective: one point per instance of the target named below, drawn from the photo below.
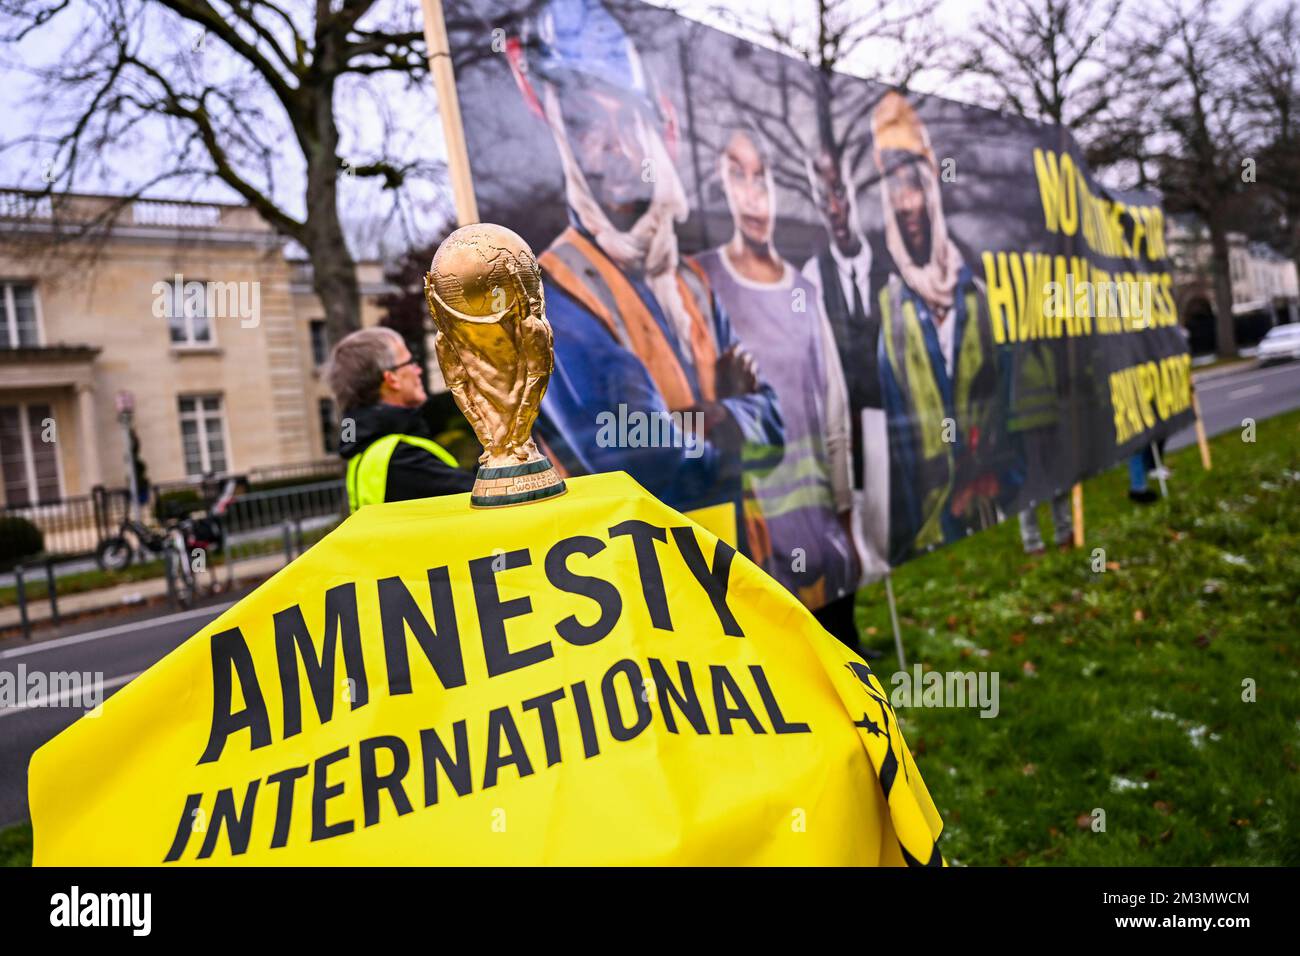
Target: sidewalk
(1244, 362)
(131, 593)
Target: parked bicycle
(175, 542)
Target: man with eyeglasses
(385, 438)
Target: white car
(1281, 343)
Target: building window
(320, 343)
(187, 314)
(203, 434)
(18, 323)
(28, 462)
(329, 427)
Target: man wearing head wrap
(938, 361)
(803, 491)
(637, 328)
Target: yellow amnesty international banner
(590, 680)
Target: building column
(91, 474)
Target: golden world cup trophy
(484, 290)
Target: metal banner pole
(893, 617)
(1160, 470)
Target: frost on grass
(1120, 784)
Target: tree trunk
(1225, 332)
(334, 271)
(334, 277)
(1295, 257)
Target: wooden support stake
(1076, 505)
(444, 82)
(1201, 440)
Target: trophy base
(507, 485)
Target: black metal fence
(260, 526)
(259, 510)
(74, 526)
(257, 479)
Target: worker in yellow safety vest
(384, 435)
(951, 467)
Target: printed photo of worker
(950, 466)
(638, 329)
(802, 492)
(840, 271)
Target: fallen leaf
(1029, 667)
(1163, 807)
(1029, 769)
(1139, 615)
(1083, 821)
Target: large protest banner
(590, 679)
(949, 318)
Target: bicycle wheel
(114, 554)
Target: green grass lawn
(1121, 690)
(81, 581)
(16, 846)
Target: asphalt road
(1230, 398)
(121, 651)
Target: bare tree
(1271, 59)
(1199, 147)
(244, 93)
(1064, 62)
(1047, 60)
(828, 37)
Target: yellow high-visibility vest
(368, 471)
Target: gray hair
(357, 365)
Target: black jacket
(412, 472)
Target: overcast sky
(413, 112)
